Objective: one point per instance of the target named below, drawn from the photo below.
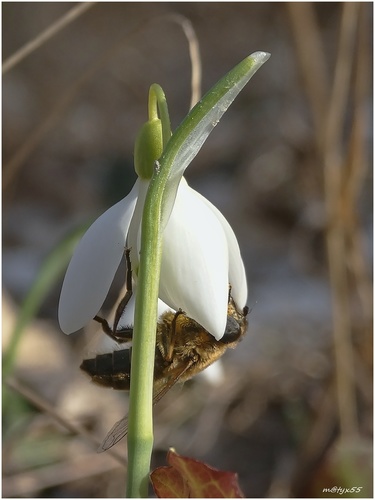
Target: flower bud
(148, 148)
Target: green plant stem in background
(180, 150)
(50, 272)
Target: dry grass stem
(11, 167)
(195, 58)
(311, 57)
(31, 482)
(46, 35)
(47, 408)
(356, 171)
(329, 108)
(333, 158)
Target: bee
(183, 349)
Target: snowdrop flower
(200, 256)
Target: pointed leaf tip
(260, 57)
(191, 134)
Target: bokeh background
(289, 166)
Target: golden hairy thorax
(183, 349)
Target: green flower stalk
(153, 137)
(183, 251)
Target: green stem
(140, 433)
(51, 270)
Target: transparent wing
(120, 429)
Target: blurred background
(290, 168)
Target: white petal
(94, 264)
(237, 274)
(194, 271)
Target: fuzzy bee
(183, 349)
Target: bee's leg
(172, 336)
(129, 292)
(125, 334)
(121, 336)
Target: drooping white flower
(200, 258)
(200, 255)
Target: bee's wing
(120, 429)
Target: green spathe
(148, 148)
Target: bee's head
(233, 331)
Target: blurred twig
(48, 409)
(195, 59)
(11, 167)
(333, 157)
(34, 481)
(312, 61)
(356, 168)
(329, 108)
(43, 37)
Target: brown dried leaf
(189, 478)
(168, 483)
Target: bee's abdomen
(110, 370)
